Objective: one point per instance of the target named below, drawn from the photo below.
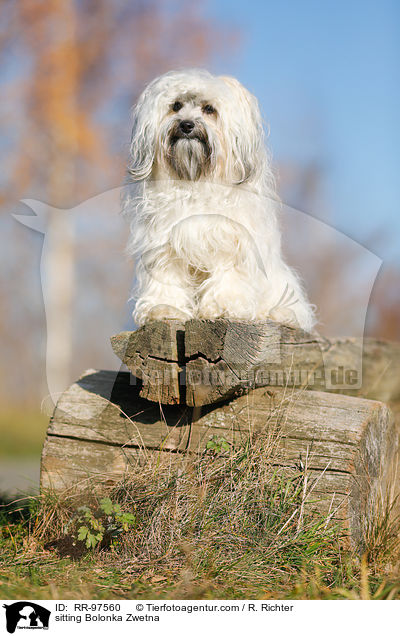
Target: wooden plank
(224, 357)
(202, 361)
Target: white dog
(203, 207)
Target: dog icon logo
(26, 615)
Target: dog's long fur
(203, 207)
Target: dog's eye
(210, 110)
(177, 106)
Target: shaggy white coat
(203, 207)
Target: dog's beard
(189, 156)
(189, 159)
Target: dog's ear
(143, 140)
(245, 134)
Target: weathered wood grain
(202, 361)
(154, 353)
(101, 425)
(104, 406)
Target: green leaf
(82, 532)
(106, 505)
(91, 541)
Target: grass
(228, 524)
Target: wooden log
(154, 354)
(101, 425)
(202, 361)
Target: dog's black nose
(186, 126)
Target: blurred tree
(383, 320)
(71, 70)
(338, 275)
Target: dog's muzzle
(186, 126)
(188, 129)
(189, 151)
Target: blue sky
(327, 78)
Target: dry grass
(226, 515)
(382, 534)
(229, 523)
(226, 520)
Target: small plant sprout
(218, 445)
(104, 524)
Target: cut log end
(203, 361)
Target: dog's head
(191, 125)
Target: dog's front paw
(285, 315)
(209, 310)
(165, 312)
